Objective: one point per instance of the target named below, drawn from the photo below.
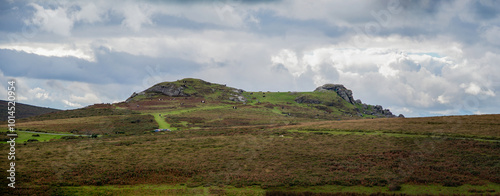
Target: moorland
(192, 137)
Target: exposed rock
(343, 92)
(131, 97)
(380, 111)
(134, 95)
(171, 90)
(306, 99)
(239, 91)
(401, 116)
(239, 98)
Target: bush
(217, 191)
(69, 137)
(452, 183)
(394, 187)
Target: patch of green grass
(272, 97)
(162, 124)
(276, 110)
(43, 137)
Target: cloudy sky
(418, 58)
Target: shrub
(452, 183)
(394, 187)
(69, 137)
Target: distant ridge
(23, 110)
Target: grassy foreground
(259, 158)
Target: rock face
(170, 90)
(306, 99)
(236, 95)
(377, 110)
(346, 94)
(343, 92)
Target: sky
(417, 58)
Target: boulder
(170, 90)
(307, 99)
(343, 92)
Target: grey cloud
(110, 67)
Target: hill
(23, 110)
(193, 104)
(329, 98)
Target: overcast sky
(418, 58)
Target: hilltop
(190, 87)
(328, 98)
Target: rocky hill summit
(190, 87)
(329, 98)
(343, 92)
(346, 94)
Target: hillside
(23, 110)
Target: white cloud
(39, 93)
(471, 88)
(53, 50)
(71, 104)
(289, 59)
(475, 89)
(443, 99)
(88, 98)
(52, 20)
(90, 13)
(135, 15)
(491, 34)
